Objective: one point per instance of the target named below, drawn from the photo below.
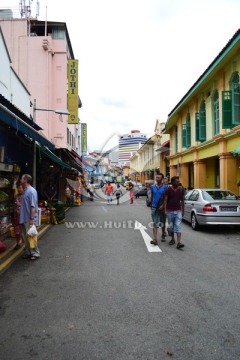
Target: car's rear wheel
(194, 222)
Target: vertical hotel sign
(73, 91)
(84, 138)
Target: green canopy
(54, 157)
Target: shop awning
(164, 146)
(82, 162)
(98, 174)
(11, 119)
(72, 159)
(236, 152)
(87, 167)
(54, 157)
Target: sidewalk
(7, 257)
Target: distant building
(129, 145)
(113, 156)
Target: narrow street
(98, 293)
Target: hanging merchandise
(9, 175)
(74, 200)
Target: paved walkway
(7, 257)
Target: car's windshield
(210, 195)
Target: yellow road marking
(17, 252)
(10, 259)
(7, 251)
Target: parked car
(149, 182)
(137, 185)
(211, 207)
(141, 192)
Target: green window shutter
(188, 132)
(176, 142)
(202, 125)
(216, 112)
(197, 127)
(184, 136)
(236, 104)
(226, 109)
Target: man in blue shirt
(29, 215)
(157, 212)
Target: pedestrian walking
(165, 180)
(118, 193)
(157, 208)
(90, 191)
(109, 192)
(137, 194)
(29, 215)
(131, 192)
(174, 208)
(16, 216)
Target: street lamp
(60, 112)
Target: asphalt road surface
(98, 292)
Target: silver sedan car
(211, 207)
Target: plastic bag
(32, 231)
(32, 241)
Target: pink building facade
(39, 55)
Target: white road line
(146, 238)
(104, 208)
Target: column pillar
(173, 171)
(228, 172)
(184, 175)
(199, 173)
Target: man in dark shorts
(174, 208)
(157, 206)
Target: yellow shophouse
(204, 126)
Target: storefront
(17, 134)
(52, 171)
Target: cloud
(138, 58)
(113, 102)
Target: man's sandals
(33, 258)
(30, 257)
(26, 256)
(153, 242)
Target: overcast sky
(138, 58)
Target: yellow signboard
(84, 138)
(73, 91)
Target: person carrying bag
(157, 206)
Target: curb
(10, 254)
